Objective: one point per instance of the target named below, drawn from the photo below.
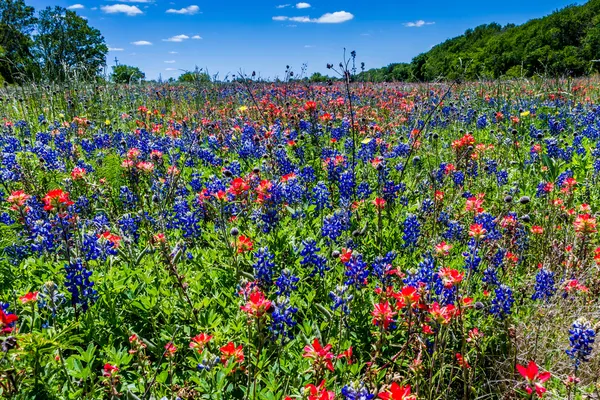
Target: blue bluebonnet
(357, 272)
(582, 337)
(263, 267)
(282, 319)
(311, 258)
(356, 391)
(502, 302)
(382, 265)
(320, 196)
(78, 283)
(412, 231)
(544, 285)
(341, 299)
(458, 177)
(471, 256)
(286, 283)
(490, 276)
(334, 225)
(346, 184)
(50, 298)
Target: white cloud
(302, 5)
(283, 6)
(76, 7)
(122, 8)
(115, 49)
(308, 46)
(134, 1)
(328, 18)
(190, 10)
(142, 43)
(177, 38)
(197, 37)
(300, 19)
(170, 69)
(173, 52)
(170, 62)
(418, 24)
(335, 17)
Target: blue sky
(265, 36)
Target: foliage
(56, 45)
(247, 240)
(197, 76)
(66, 45)
(126, 74)
(563, 43)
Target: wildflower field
(300, 241)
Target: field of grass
(274, 241)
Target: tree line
(564, 43)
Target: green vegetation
(53, 46)
(565, 42)
(126, 74)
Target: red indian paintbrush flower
(229, 350)
(17, 199)
(319, 392)
(383, 315)
(319, 354)
(244, 244)
(200, 341)
(56, 199)
(585, 224)
(257, 304)
(238, 187)
(29, 297)
(109, 369)
(450, 277)
(6, 320)
(397, 392)
(534, 378)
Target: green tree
(197, 75)
(67, 45)
(17, 21)
(126, 74)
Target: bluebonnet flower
(481, 122)
(78, 283)
(412, 231)
(424, 275)
(502, 302)
(346, 184)
(286, 283)
(311, 258)
(357, 272)
(282, 319)
(341, 299)
(129, 225)
(458, 177)
(582, 337)
(502, 177)
(356, 391)
(454, 230)
(50, 298)
(544, 285)
(263, 267)
(128, 198)
(363, 191)
(382, 265)
(490, 276)
(320, 197)
(334, 225)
